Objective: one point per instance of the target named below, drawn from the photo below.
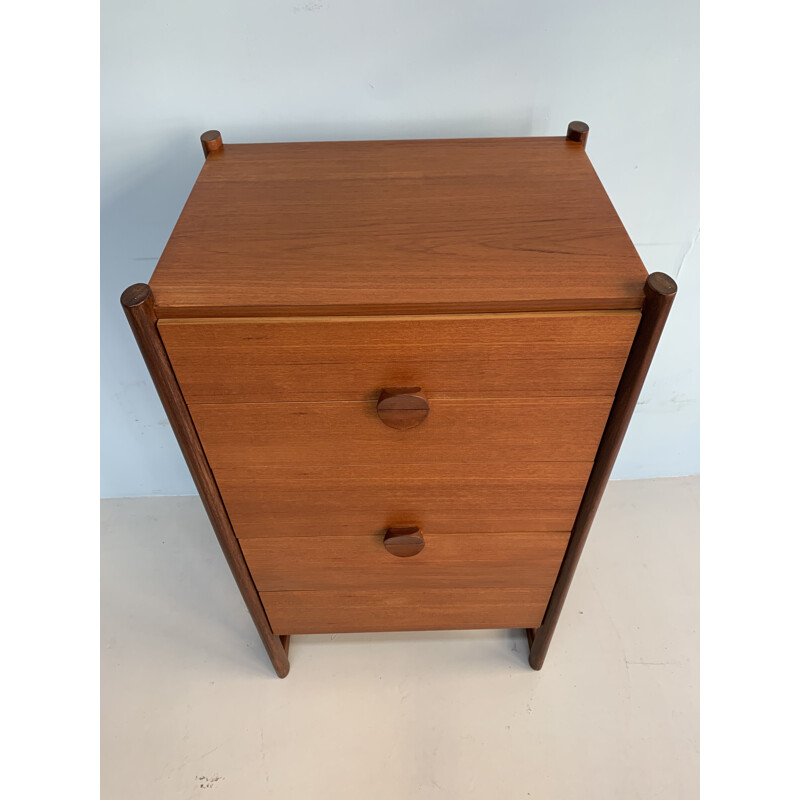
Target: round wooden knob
(403, 408)
(404, 541)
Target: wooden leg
(137, 301)
(211, 142)
(531, 633)
(578, 132)
(659, 292)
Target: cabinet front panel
(312, 476)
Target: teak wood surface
(448, 561)
(346, 358)
(365, 499)
(365, 611)
(388, 227)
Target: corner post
(659, 292)
(578, 132)
(211, 141)
(137, 302)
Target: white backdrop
(282, 70)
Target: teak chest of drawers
(400, 373)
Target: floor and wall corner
(192, 708)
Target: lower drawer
(448, 561)
(363, 611)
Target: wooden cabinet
(400, 373)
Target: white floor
(192, 709)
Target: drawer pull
(402, 408)
(404, 542)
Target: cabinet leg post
(137, 302)
(531, 634)
(659, 292)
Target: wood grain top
(458, 225)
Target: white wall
(273, 70)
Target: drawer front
(366, 611)
(350, 358)
(350, 433)
(266, 501)
(447, 561)
(312, 476)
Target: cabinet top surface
(447, 225)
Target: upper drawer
(351, 358)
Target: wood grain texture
(364, 611)
(448, 561)
(137, 303)
(397, 226)
(439, 497)
(660, 292)
(350, 433)
(346, 358)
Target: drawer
(448, 561)
(457, 431)
(362, 611)
(284, 500)
(351, 358)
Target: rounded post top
(135, 295)
(211, 142)
(577, 132)
(660, 284)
